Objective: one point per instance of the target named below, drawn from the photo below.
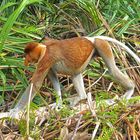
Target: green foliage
(123, 16)
(9, 23)
(107, 133)
(24, 21)
(22, 127)
(30, 19)
(66, 112)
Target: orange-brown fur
(32, 52)
(103, 46)
(70, 57)
(73, 52)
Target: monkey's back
(74, 55)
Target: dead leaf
(64, 133)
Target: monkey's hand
(16, 113)
(13, 113)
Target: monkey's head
(32, 52)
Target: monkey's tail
(92, 39)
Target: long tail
(92, 39)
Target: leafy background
(23, 21)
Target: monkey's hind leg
(79, 86)
(104, 49)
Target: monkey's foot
(128, 94)
(13, 113)
(117, 99)
(74, 100)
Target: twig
(1, 136)
(91, 104)
(92, 108)
(97, 80)
(28, 108)
(77, 126)
(6, 67)
(95, 130)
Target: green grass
(24, 21)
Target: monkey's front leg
(79, 86)
(18, 110)
(24, 98)
(54, 79)
(37, 80)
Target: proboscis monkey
(70, 57)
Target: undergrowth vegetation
(24, 21)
